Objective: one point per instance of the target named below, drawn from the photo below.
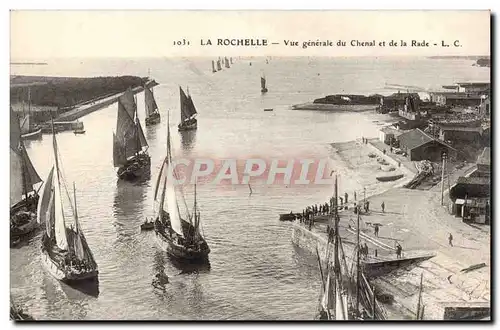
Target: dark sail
(219, 67)
(150, 101)
(226, 63)
(263, 82)
(15, 131)
(31, 176)
(187, 107)
(126, 132)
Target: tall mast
(335, 252)
(136, 127)
(29, 101)
(76, 211)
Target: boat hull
(30, 208)
(263, 90)
(153, 119)
(34, 135)
(389, 178)
(136, 168)
(188, 127)
(55, 270)
(178, 251)
(79, 132)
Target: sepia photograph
(165, 167)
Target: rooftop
(414, 138)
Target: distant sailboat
(231, 60)
(226, 62)
(129, 143)
(65, 252)
(29, 131)
(152, 113)
(188, 112)
(219, 67)
(213, 67)
(263, 87)
(23, 179)
(179, 237)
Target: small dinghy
(268, 109)
(390, 177)
(148, 225)
(79, 131)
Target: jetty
(93, 105)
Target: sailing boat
(231, 60)
(23, 178)
(219, 67)
(129, 143)
(29, 131)
(188, 112)
(213, 67)
(152, 113)
(65, 252)
(263, 87)
(226, 62)
(178, 237)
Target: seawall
(89, 106)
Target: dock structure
(415, 220)
(91, 106)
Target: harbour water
(255, 273)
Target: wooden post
(442, 178)
(374, 302)
(420, 296)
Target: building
(420, 146)
(397, 100)
(477, 88)
(388, 135)
(470, 199)
(454, 99)
(470, 195)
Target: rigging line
(63, 181)
(176, 175)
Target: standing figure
(450, 239)
(383, 207)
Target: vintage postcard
(250, 165)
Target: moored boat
(219, 67)
(226, 63)
(147, 225)
(23, 179)
(129, 143)
(390, 177)
(213, 67)
(29, 130)
(65, 252)
(188, 112)
(152, 113)
(179, 237)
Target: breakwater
(91, 106)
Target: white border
(128, 4)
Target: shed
(388, 134)
(421, 146)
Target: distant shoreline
(28, 63)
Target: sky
(51, 34)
